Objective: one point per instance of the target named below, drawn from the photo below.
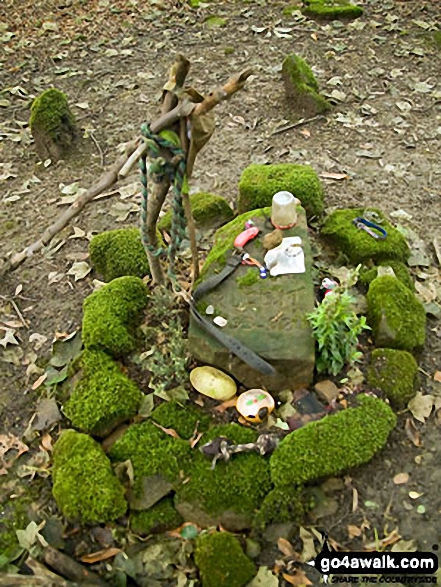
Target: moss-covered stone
(103, 397)
(357, 244)
(396, 316)
(120, 252)
(14, 515)
(52, 124)
(222, 562)
(111, 315)
(225, 236)
(238, 486)
(259, 183)
(301, 87)
(400, 269)
(334, 444)
(84, 485)
(183, 419)
(436, 35)
(152, 452)
(280, 505)
(395, 373)
(159, 518)
(331, 9)
(209, 211)
(250, 278)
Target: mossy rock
(357, 244)
(282, 504)
(116, 253)
(436, 36)
(222, 562)
(334, 444)
(183, 419)
(301, 87)
(103, 397)
(52, 124)
(400, 270)
(225, 236)
(14, 515)
(331, 9)
(232, 492)
(152, 452)
(209, 211)
(111, 315)
(159, 518)
(395, 373)
(396, 316)
(259, 183)
(84, 485)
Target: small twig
(300, 122)
(19, 314)
(98, 147)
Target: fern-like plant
(336, 328)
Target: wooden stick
(67, 567)
(233, 85)
(300, 122)
(155, 203)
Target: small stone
(219, 321)
(210, 310)
(213, 383)
(326, 390)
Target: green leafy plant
(336, 328)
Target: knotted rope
(174, 170)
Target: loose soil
(112, 59)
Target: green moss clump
(13, 516)
(222, 562)
(437, 38)
(225, 236)
(209, 211)
(52, 123)
(396, 316)
(395, 373)
(103, 397)
(159, 518)
(334, 444)
(151, 452)
(301, 87)
(259, 183)
(280, 505)
(84, 485)
(250, 278)
(120, 252)
(184, 420)
(111, 315)
(331, 9)
(357, 244)
(400, 269)
(238, 486)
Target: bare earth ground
(112, 58)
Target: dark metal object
(221, 448)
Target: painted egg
(213, 383)
(255, 404)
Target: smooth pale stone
(213, 383)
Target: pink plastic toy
(244, 237)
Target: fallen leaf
(168, 431)
(404, 546)
(80, 270)
(100, 555)
(354, 499)
(437, 376)
(392, 538)
(421, 406)
(46, 442)
(308, 552)
(10, 442)
(39, 381)
(38, 340)
(264, 578)
(285, 547)
(9, 338)
(354, 532)
(230, 403)
(412, 432)
(299, 579)
(415, 494)
(332, 175)
(401, 478)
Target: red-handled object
(246, 236)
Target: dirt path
(112, 59)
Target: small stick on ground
(300, 122)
